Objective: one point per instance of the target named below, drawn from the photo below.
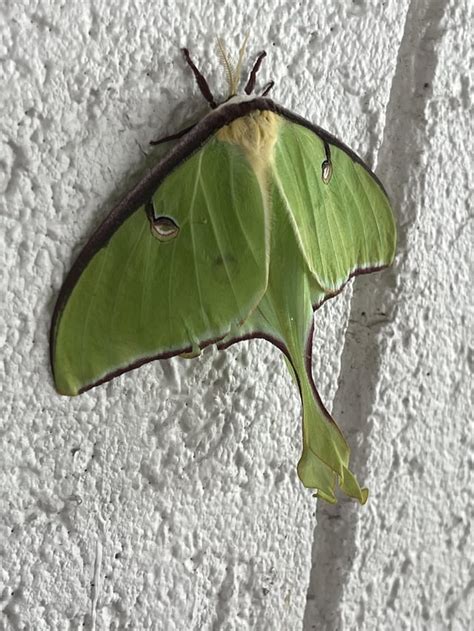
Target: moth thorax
(256, 133)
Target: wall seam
(373, 310)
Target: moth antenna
(238, 68)
(250, 85)
(225, 61)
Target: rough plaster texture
(168, 499)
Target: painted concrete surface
(168, 499)
(405, 382)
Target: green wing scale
(260, 219)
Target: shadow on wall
(373, 306)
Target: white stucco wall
(168, 499)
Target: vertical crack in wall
(373, 308)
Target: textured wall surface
(168, 499)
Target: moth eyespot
(164, 228)
(326, 171)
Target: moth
(243, 229)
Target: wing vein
(85, 328)
(143, 320)
(131, 253)
(372, 209)
(327, 206)
(218, 241)
(193, 242)
(242, 227)
(359, 213)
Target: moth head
(233, 72)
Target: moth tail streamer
(324, 462)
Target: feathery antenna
(232, 71)
(238, 68)
(226, 62)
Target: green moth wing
(340, 213)
(177, 273)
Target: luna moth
(242, 230)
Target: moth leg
(175, 136)
(250, 85)
(195, 352)
(267, 87)
(202, 83)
